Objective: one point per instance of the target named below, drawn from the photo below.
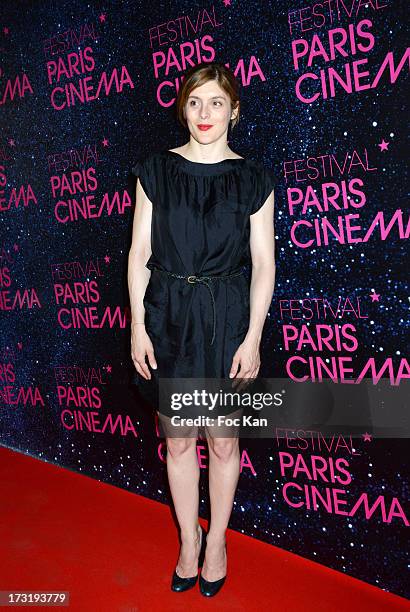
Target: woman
(202, 212)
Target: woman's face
(208, 105)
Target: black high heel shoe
(209, 588)
(179, 584)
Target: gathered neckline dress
(200, 227)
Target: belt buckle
(191, 277)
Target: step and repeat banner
(88, 88)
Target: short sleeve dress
(200, 228)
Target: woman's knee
(177, 447)
(223, 448)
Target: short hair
(202, 73)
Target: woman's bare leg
(183, 477)
(224, 468)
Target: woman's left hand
(246, 357)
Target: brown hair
(202, 73)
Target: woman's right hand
(141, 346)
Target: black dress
(200, 228)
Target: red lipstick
(204, 126)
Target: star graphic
(107, 259)
(108, 368)
(383, 145)
(102, 17)
(15, 247)
(367, 437)
(12, 143)
(105, 142)
(227, 2)
(375, 296)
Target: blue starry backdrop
(49, 366)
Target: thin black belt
(192, 279)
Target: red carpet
(115, 551)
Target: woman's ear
(235, 112)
